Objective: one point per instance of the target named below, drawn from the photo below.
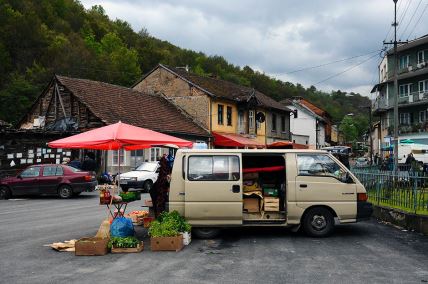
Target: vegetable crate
(91, 246)
(167, 243)
(139, 248)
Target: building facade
(237, 116)
(311, 123)
(412, 93)
(70, 106)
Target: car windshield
(147, 167)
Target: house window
(273, 122)
(421, 56)
(404, 61)
(137, 157)
(220, 114)
(404, 90)
(423, 86)
(283, 123)
(155, 154)
(405, 118)
(241, 122)
(423, 116)
(251, 118)
(229, 115)
(115, 160)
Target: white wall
(304, 125)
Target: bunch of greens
(128, 196)
(169, 224)
(123, 242)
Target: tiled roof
(224, 89)
(112, 103)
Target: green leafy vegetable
(169, 224)
(126, 242)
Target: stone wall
(192, 100)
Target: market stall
(117, 137)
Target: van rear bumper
(364, 210)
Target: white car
(142, 177)
(362, 162)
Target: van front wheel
(318, 222)
(206, 233)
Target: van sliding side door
(214, 189)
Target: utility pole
(395, 43)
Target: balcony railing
(409, 128)
(414, 97)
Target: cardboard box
(91, 246)
(271, 204)
(139, 248)
(252, 205)
(167, 243)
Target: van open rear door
(213, 186)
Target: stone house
(237, 116)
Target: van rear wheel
(206, 233)
(318, 222)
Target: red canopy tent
(118, 136)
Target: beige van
(219, 188)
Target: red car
(48, 179)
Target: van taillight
(88, 178)
(362, 196)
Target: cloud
(274, 36)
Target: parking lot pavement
(368, 252)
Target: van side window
(318, 165)
(221, 168)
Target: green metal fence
(405, 190)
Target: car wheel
(5, 193)
(206, 233)
(318, 222)
(147, 186)
(65, 191)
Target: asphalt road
(368, 252)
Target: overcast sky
(281, 36)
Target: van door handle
(236, 188)
(181, 193)
(303, 185)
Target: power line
(390, 27)
(417, 22)
(404, 13)
(411, 18)
(332, 62)
(346, 70)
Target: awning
(286, 145)
(235, 140)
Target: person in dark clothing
(410, 159)
(75, 163)
(159, 191)
(89, 163)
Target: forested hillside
(40, 38)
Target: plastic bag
(121, 227)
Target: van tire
(318, 222)
(206, 233)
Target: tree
(348, 129)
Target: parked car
(362, 162)
(48, 179)
(143, 177)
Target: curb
(409, 221)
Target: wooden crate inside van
(271, 204)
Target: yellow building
(236, 116)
